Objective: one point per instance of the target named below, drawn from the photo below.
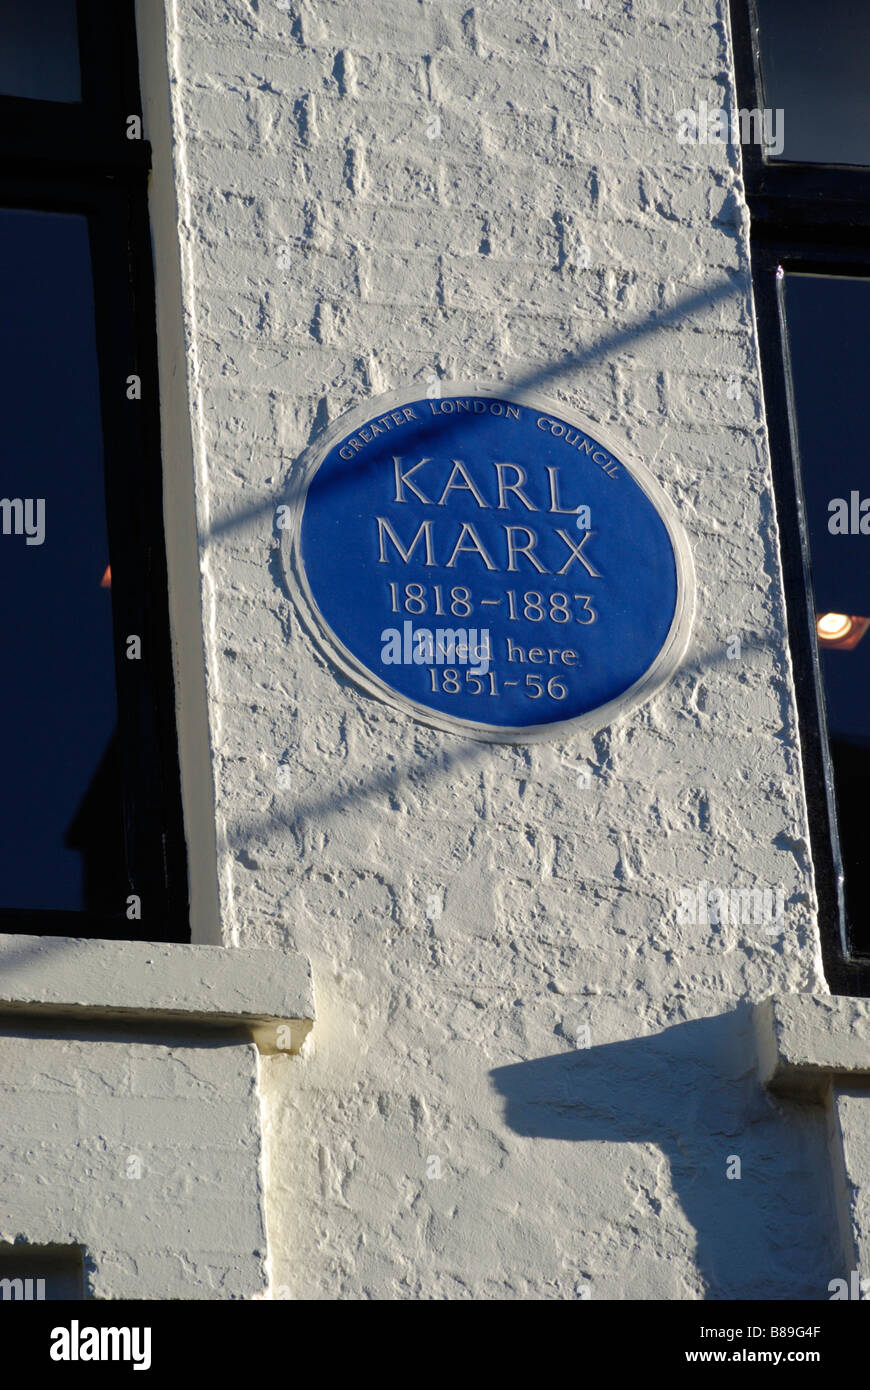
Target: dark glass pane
(53, 1273)
(60, 842)
(39, 50)
(814, 65)
(829, 343)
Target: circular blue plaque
(488, 563)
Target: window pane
(39, 50)
(829, 344)
(60, 846)
(814, 67)
(50, 1273)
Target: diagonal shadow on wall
(693, 1091)
(583, 358)
(397, 780)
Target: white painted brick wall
(597, 1171)
(74, 1110)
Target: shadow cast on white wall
(693, 1091)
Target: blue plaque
(488, 563)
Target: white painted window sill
(809, 1042)
(817, 1048)
(267, 994)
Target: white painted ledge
(817, 1048)
(808, 1042)
(208, 987)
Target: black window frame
(78, 158)
(813, 219)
